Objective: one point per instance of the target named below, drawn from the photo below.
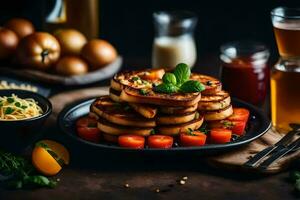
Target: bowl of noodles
(22, 115)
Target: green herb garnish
(166, 88)
(227, 124)
(135, 78)
(17, 104)
(295, 178)
(169, 78)
(143, 92)
(192, 86)
(182, 73)
(204, 129)
(152, 132)
(179, 81)
(9, 110)
(10, 100)
(127, 108)
(190, 131)
(21, 172)
(23, 107)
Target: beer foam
(288, 25)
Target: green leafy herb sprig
(179, 81)
(295, 178)
(21, 173)
(204, 128)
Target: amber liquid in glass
(285, 98)
(288, 39)
(285, 78)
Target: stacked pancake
(133, 107)
(215, 103)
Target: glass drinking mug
(285, 75)
(174, 42)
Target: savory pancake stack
(215, 103)
(135, 107)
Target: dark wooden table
(93, 175)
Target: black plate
(257, 126)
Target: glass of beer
(285, 75)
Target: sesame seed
(127, 185)
(185, 178)
(157, 190)
(181, 182)
(58, 179)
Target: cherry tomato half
(196, 138)
(87, 129)
(239, 114)
(131, 141)
(220, 135)
(238, 127)
(160, 141)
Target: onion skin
(39, 50)
(71, 65)
(8, 43)
(70, 40)
(98, 53)
(22, 27)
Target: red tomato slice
(86, 122)
(220, 135)
(239, 114)
(87, 129)
(89, 134)
(238, 127)
(197, 138)
(131, 141)
(160, 141)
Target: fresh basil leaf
(169, 78)
(166, 88)
(38, 180)
(192, 86)
(182, 73)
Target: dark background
(128, 24)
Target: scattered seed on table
(58, 179)
(185, 178)
(127, 185)
(157, 190)
(181, 182)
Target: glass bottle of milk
(174, 42)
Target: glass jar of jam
(244, 70)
